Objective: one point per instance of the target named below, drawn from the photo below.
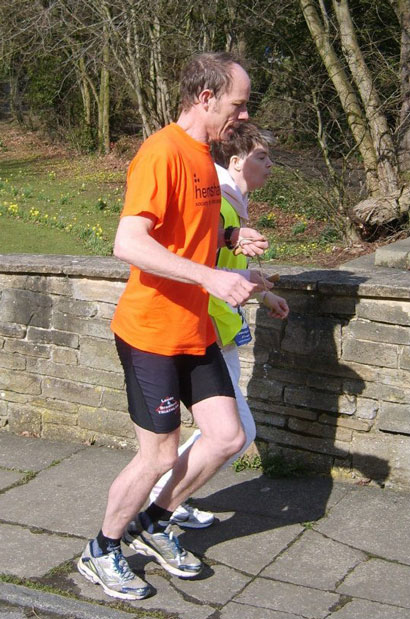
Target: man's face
(229, 107)
(256, 168)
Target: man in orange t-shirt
(168, 233)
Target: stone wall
(329, 388)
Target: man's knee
(232, 445)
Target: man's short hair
(211, 70)
(242, 139)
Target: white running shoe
(188, 517)
(112, 572)
(166, 549)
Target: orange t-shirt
(172, 180)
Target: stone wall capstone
(329, 387)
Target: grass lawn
(53, 199)
(18, 237)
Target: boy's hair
(243, 138)
(211, 70)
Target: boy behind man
(243, 165)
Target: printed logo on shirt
(168, 405)
(204, 196)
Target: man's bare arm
(135, 245)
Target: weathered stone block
(83, 309)
(310, 443)
(70, 391)
(11, 361)
(59, 432)
(57, 417)
(366, 409)
(57, 405)
(346, 422)
(24, 418)
(60, 285)
(12, 396)
(268, 418)
(370, 353)
(105, 310)
(83, 326)
(100, 354)
(10, 329)
(114, 400)
(107, 422)
(394, 312)
(25, 307)
(51, 336)
(310, 398)
(97, 290)
(405, 358)
(310, 335)
(394, 418)
(318, 429)
(377, 332)
(288, 411)
(264, 390)
(340, 306)
(30, 349)
(81, 374)
(67, 356)
(20, 382)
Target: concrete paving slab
(374, 520)
(360, 609)
(379, 581)
(287, 598)
(58, 605)
(164, 597)
(247, 543)
(314, 561)
(7, 478)
(27, 554)
(287, 500)
(69, 497)
(219, 588)
(243, 611)
(33, 454)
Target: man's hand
(277, 305)
(228, 286)
(263, 283)
(249, 242)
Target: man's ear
(204, 97)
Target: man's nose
(243, 115)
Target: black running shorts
(157, 383)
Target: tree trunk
(350, 103)
(104, 101)
(387, 171)
(403, 14)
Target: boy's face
(256, 167)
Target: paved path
(282, 549)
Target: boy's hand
(249, 242)
(277, 305)
(263, 282)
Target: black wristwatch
(227, 237)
